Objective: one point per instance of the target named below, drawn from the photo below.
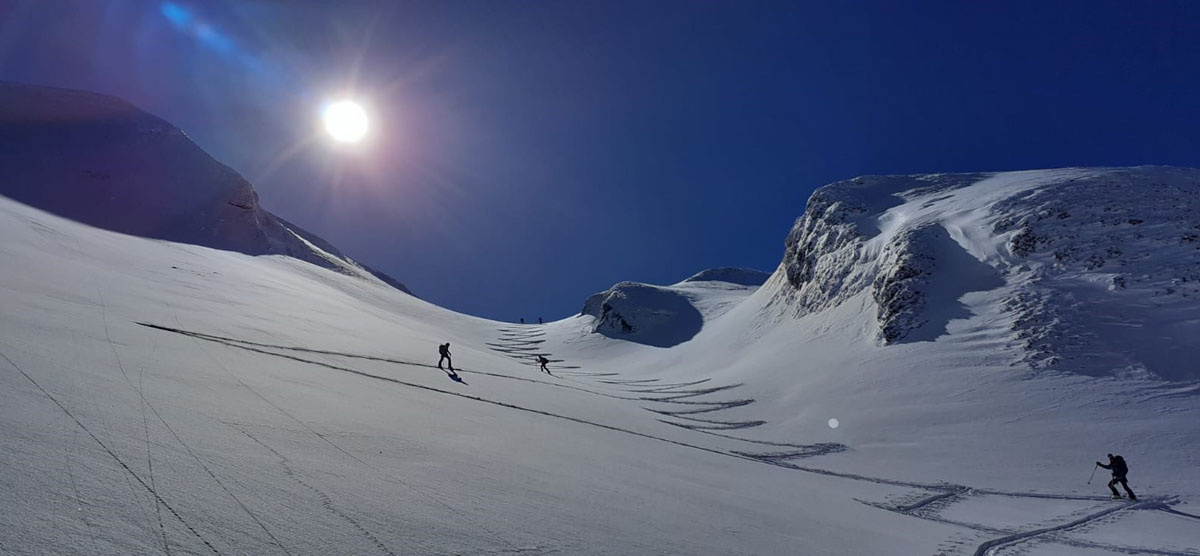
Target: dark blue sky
(528, 154)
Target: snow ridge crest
(1094, 270)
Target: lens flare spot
(833, 423)
(345, 121)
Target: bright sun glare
(345, 121)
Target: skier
(444, 350)
(522, 320)
(1119, 470)
(539, 320)
(541, 359)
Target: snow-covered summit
(102, 161)
(665, 316)
(1093, 270)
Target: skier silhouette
(539, 320)
(522, 320)
(1119, 470)
(541, 359)
(444, 350)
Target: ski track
(326, 501)
(926, 508)
(146, 403)
(718, 406)
(114, 456)
(145, 422)
(703, 424)
(989, 548)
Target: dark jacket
(1118, 466)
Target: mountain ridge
(100, 160)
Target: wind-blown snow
(1099, 268)
(159, 397)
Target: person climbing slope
(1119, 471)
(541, 359)
(444, 351)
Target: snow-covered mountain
(664, 316)
(1094, 271)
(877, 395)
(101, 161)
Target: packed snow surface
(160, 397)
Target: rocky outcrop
(1094, 270)
(645, 314)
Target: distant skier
(541, 359)
(444, 350)
(1119, 470)
(539, 320)
(522, 320)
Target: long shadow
(954, 273)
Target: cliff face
(1098, 270)
(101, 161)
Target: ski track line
(146, 403)
(238, 343)
(509, 343)
(947, 488)
(718, 406)
(768, 442)
(75, 487)
(515, 349)
(667, 388)
(257, 394)
(701, 424)
(989, 548)
(805, 451)
(930, 500)
(149, 458)
(387, 476)
(113, 455)
(938, 487)
(145, 422)
(326, 501)
(519, 337)
(1177, 512)
(693, 393)
(1053, 538)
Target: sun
(346, 121)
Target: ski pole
(1094, 467)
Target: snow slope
(664, 316)
(1100, 267)
(99, 160)
(166, 397)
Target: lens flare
(345, 121)
(833, 423)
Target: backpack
(1119, 465)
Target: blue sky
(527, 154)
